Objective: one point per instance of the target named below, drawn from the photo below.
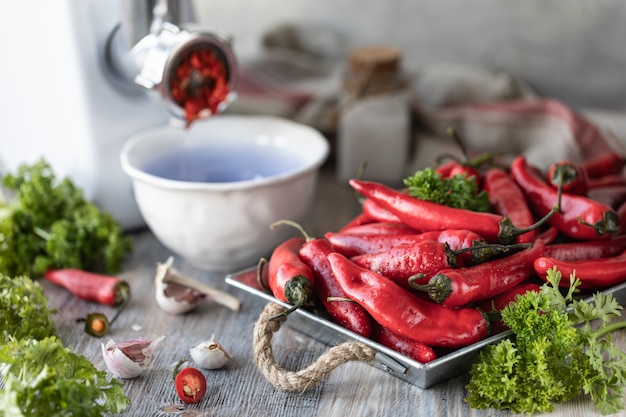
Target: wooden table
(239, 389)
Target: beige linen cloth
(495, 112)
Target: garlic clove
(131, 358)
(210, 355)
(177, 294)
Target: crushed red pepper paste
(199, 82)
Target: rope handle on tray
(313, 374)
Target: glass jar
(374, 126)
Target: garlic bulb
(177, 294)
(210, 355)
(131, 358)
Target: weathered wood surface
(239, 389)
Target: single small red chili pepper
(407, 314)
(290, 279)
(587, 249)
(592, 273)
(350, 245)
(452, 168)
(579, 217)
(410, 348)
(462, 286)
(507, 199)
(89, 286)
(374, 211)
(348, 314)
(570, 176)
(190, 385)
(426, 215)
(608, 163)
(497, 304)
(381, 228)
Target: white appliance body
(60, 103)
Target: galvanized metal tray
(422, 375)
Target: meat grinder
(82, 76)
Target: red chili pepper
(381, 228)
(588, 249)
(406, 314)
(190, 385)
(410, 348)
(608, 163)
(593, 273)
(500, 301)
(426, 215)
(452, 168)
(374, 211)
(350, 245)
(462, 286)
(579, 217)
(399, 263)
(89, 286)
(507, 199)
(290, 279)
(342, 311)
(570, 176)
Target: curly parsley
(24, 310)
(49, 224)
(42, 378)
(457, 191)
(555, 355)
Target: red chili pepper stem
(508, 231)
(475, 162)
(484, 253)
(291, 223)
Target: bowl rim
(137, 174)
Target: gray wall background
(572, 50)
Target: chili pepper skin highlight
(290, 279)
(89, 286)
(593, 273)
(406, 314)
(462, 286)
(579, 217)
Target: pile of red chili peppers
(423, 278)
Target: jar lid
(374, 59)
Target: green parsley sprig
(561, 348)
(24, 311)
(457, 191)
(50, 224)
(43, 378)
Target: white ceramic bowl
(210, 193)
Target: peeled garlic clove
(131, 358)
(210, 355)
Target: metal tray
(419, 374)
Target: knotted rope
(313, 374)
